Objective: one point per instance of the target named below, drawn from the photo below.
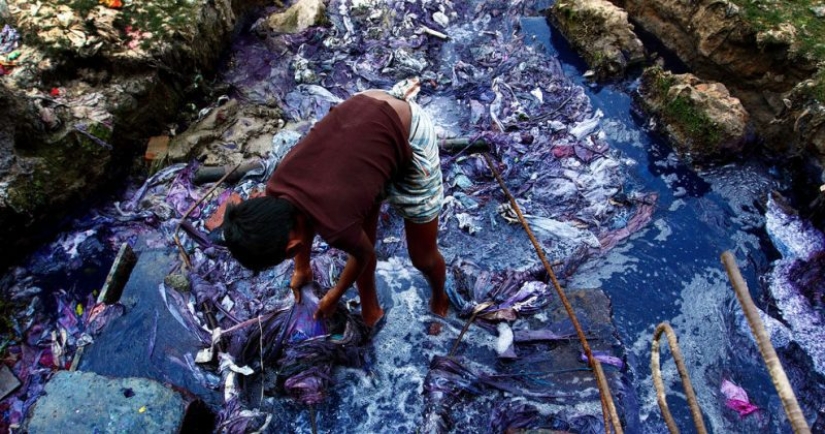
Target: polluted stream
(611, 204)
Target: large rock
(299, 17)
(702, 120)
(805, 116)
(601, 33)
(89, 85)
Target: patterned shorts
(419, 194)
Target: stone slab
(594, 312)
(565, 358)
(84, 402)
(125, 346)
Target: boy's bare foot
(372, 318)
(439, 305)
(325, 308)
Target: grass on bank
(769, 14)
(679, 110)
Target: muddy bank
(762, 67)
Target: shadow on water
(671, 271)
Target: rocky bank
(773, 71)
(82, 86)
(769, 69)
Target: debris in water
(737, 399)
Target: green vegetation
(679, 110)
(54, 164)
(25, 196)
(769, 14)
(164, 19)
(697, 124)
(818, 89)
(766, 15)
(657, 81)
(663, 82)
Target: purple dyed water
(674, 263)
(610, 203)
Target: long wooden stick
(192, 208)
(763, 340)
(611, 417)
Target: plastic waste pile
(795, 281)
(9, 41)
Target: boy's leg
(370, 309)
(425, 256)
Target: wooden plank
(118, 275)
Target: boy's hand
(299, 279)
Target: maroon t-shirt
(337, 173)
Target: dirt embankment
(83, 85)
(772, 69)
(769, 57)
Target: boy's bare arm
(302, 273)
(361, 259)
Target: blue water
(671, 271)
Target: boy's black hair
(256, 231)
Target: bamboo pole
(183, 254)
(611, 417)
(763, 341)
(661, 397)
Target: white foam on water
(807, 325)
(618, 261)
(676, 205)
(664, 230)
(702, 337)
(401, 353)
(779, 333)
(744, 243)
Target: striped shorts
(419, 193)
